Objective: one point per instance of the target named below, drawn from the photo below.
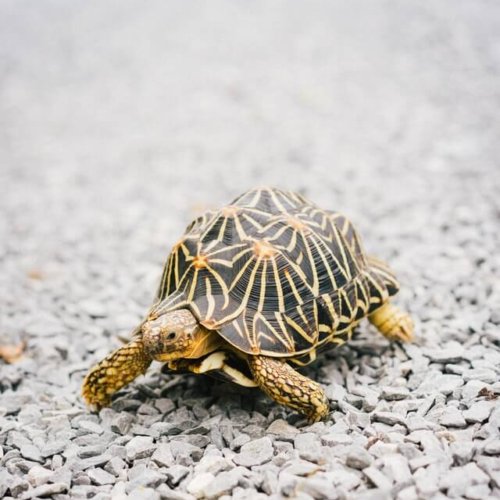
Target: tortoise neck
(205, 341)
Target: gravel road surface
(121, 121)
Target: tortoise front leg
(115, 371)
(288, 387)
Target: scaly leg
(113, 372)
(393, 323)
(288, 387)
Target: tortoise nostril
(171, 336)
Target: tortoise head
(175, 335)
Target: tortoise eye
(171, 336)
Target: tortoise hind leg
(113, 372)
(288, 387)
(392, 323)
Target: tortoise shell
(274, 274)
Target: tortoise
(253, 291)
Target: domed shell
(273, 274)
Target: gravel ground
(119, 123)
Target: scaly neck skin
(204, 342)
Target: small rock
(185, 452)
(141, 493)
(53, 448)
(458, 479)
(45, 490)
(223, 484)
(478, 492)
(309, 447)
(164, 405)
(462, 451)
(451, 354)
(31, 452)
(388, 418)
(472, 389)
(139, 447)
(396, 468)
(143, 476)
(100, 477)
(239, 441)
(199, 483)
(483, 374)
(213, 464)
(176, 473)
(444, 383)
(115, 466)
(452, 417)
(122, 423)
(394, 393)
(163, 455)
(492, 447)
(18, 486)
(90, 426)
(283, 430)
(300, 468)
(39, 475)
(317, 487)
(479, 412)
(358, 458)
(255, 452)
(377, 478)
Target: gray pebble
(176, 473)
(309, 447)
(482, 374)
(255, 452)
(239, 441)
(223, 484)
(100, 477)
(316, 487)
(479, 412)
(199, 483)
(45, 490)
(452, 417)
(53, 448)
(377, 478)
(163, 455)
(213, 465)
(396, 468)
(451, 354)
(358, 458)
(18, 486)
(31, 452)
(39, 475)
(283, 430)
(139, 447)
(185, 453)
(115, 466)
(394, 393)
(90, 462)
(122, 423)
(458, 479)
(492, 447)
(445, 384)
(90, 426)
(143, 476)
(141, 493)
(462, 451)
(388, 418)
